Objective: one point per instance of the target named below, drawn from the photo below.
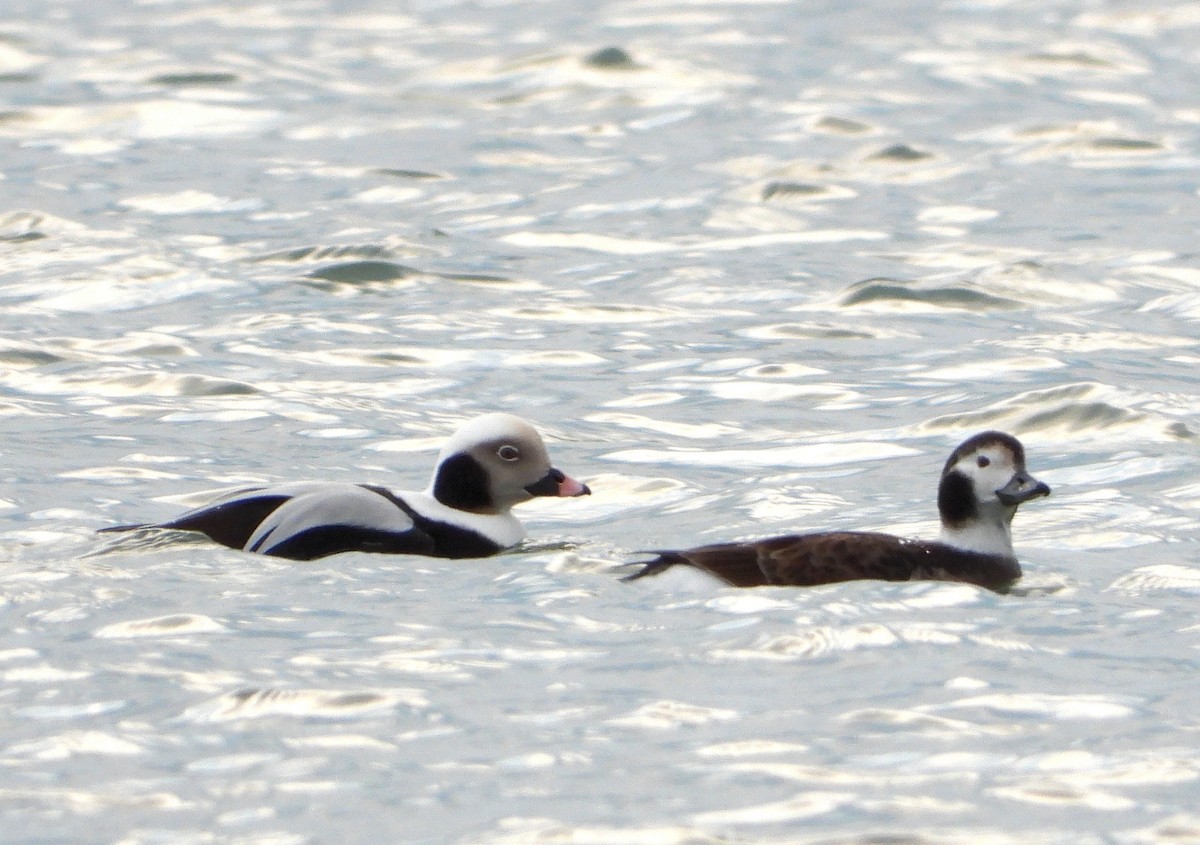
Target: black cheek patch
(956, 499)
(463, 484)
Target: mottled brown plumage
(981, 486)
(806, 560)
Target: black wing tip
(116, 529)
(661, 563)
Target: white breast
(980, 536)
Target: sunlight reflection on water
(752, 268)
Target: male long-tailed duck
(982, 484)
(490, 464)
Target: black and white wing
(332, 518)
(304, 521)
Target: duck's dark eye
(508, 453)
(982, 461)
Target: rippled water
(752, 267)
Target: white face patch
(989, 468)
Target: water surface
(751, 267)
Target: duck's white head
(494, 462)
(983, 483)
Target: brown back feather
(805, 560)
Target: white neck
(989, 534)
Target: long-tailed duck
(490, 464)
(982, 484)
